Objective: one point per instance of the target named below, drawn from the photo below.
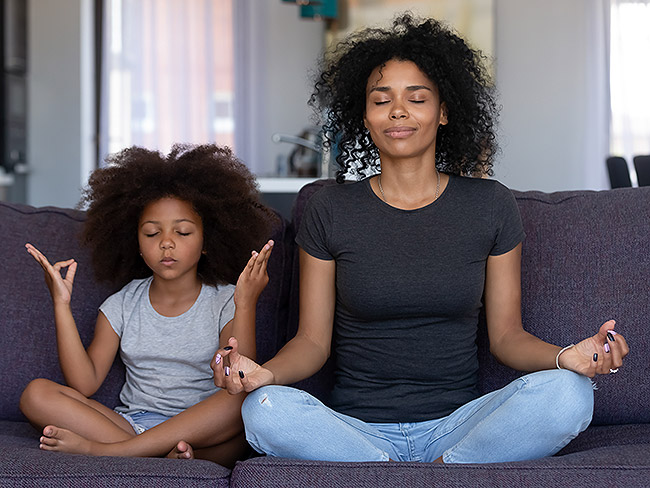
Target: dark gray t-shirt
(409, 287)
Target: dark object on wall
(642, 167)
(619, 173)
(13, 104)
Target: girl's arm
(252, 280)
(518, 349)
(307, 352)
(83, 370)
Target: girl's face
(170, 234)
(403, 111)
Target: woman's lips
(399, 132)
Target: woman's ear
(443, 114)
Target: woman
(396, 268)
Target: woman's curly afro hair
(220, 189)
(465, 146)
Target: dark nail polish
(241, 374)
(227, 371)
(595, 357)
(227, 348)
(611, 337)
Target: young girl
(175, 231)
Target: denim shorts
(143, 420)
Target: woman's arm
(514, 347)
(84, 370)
(509, 342)
(307, 352)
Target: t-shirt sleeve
(112, 308)
(227, 311)
(316, 226)
(508, 229)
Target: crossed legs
(211, 429)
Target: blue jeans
(142, 421)
(532, 417)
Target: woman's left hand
(602, 353)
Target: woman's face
(403, 111)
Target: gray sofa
(586, 259)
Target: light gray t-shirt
(167, 359)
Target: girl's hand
(237, 373)
(253, 278)
(60, 288)
(599, 354)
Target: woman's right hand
(236, 373)
(60, 288)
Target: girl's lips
(168, 261)
(399, 132)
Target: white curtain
(167, 74)
(630, 78)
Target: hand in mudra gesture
(601, 353)
(60, 287)
(237, 373)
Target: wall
(60, 100)
(549, 89)
(553, 87)
(279, 51)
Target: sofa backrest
(27, 330)
(27, 334)
(585, 259)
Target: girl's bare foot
(58, 439)
(182, 451)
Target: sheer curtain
(629, 78)
(167, 74)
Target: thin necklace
(383, 197)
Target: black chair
(642, 167)
(619, 173)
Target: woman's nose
(398, 112)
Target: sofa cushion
(24, 464)
(627, 466)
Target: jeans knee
(266, 406)
(573, 393)
(268, 413)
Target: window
(629, 75)
(167, 74)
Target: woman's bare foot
(58, 439)
(182, 451)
